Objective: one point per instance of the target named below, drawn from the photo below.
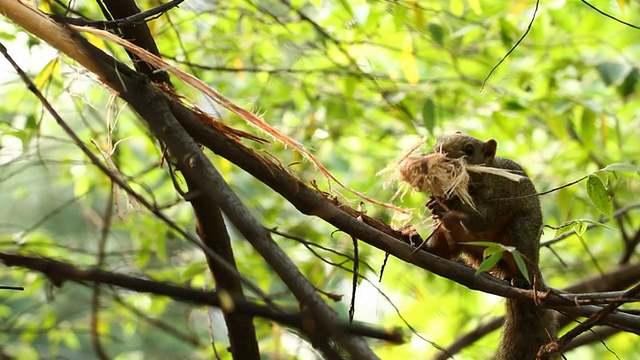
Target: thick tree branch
(213, 233)
(58, 272)
(209, 223)
(153, 106)
(137, 33)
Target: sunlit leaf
(580, 228)
(409, 64)
(475, 6)
(418, 16)
(622, 167)
(490, 261)
(622, 4)
(346, 6)
(564, 229)
(598, 195)
(613, 73)
(96, 41)
(457, 7)
(48, 72)
(193, 269)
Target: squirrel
(503, 211)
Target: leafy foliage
(357, 82)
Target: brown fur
(498, 213)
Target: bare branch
(58, 272)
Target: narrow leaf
(490, 262)
(409, 64)
(52, 68)
(564, 229)
(429, 115)
(522, 266)
(346, 6)
(622, 167)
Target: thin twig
(535, 11)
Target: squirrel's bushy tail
(526, 328)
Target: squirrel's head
(459, 145)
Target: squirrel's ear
(489, 149)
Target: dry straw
(443, 177)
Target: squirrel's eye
(468, 149)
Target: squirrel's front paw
(436, 207)
(410, 235)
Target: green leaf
(490, 261)
(522, 266)
(622, 167)
(580, 228)
(629, 84)
(429, 115)
(475, 7)
(507, 32)
(193, 269)
(564, 229)
(48, 73)
(598, 195)
(613, 73)
(437, 33)
(345, 4)
(489, 244)
(588, 125)
(350, 87)
(457, 7)
(361, 13)
(400, 17)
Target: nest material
(438, 175)
(444, 177)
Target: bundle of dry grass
(436, 174)
(443, 177)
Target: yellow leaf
(475, 7)
(409, 64)
(457, 7)
(622, 4)
(96, 41)
(47, 72)
(45, 6)
(604, 129)
(418, 15)
(237, 64)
